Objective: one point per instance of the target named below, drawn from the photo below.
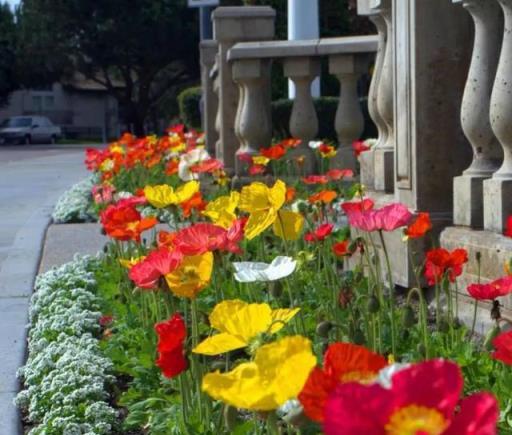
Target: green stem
(391, 294)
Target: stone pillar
(349, 122)
(366, 159)
(487, 153)
(254, 122)
(498, 189)
(303, 120)
(232, 25)
(384, 151)
(208, 51)
(432, 50)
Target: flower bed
(241, 317)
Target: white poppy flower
(371, 142)
(281, 267)
(386, 374)
(187, 160)
(315, 144)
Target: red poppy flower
(208, 165)
(359, 147)
(440, 261)
(290, 143)
(257, 169)
(200, 238)
(320, 233)
(315, 179)
(503, 345)
(123, 222)
(147, 273)
(419, 227)
(171, 353)
(194, 203)
(508, 229)
(325, 196)
(166, 238)
(105, 320)
(178, 129)
(387, 218)
(343, 362)
(339, 174)
(363, 205)
(275, 152)
(340, 249)
(234, 236)
(495, 289)
(244, 157)
(290, 193)
(172, 167)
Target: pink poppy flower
(492, 290)
(387, 218)
(147, 273)
(339, 174)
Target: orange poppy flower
(124, 222)
(343, 362)
(290, 143)
(419, 227)
(341, 249)
(172, 167)
(325, 196)
(274, 152)
(290, 193)
(196, 202)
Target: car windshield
(16, 122)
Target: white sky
(13, 2)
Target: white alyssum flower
(75, 205)
(281, 267)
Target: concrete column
(254, 123)
(303, 121)
(487, 153)
(232, 25)
(303, 23)
(349, 122)
(208, 51)
(366, 159)
(432, 51)
(498, 189)
(384, 151)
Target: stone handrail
(251, 63)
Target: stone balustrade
(349, 57)
(482, 194)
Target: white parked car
(29, 129)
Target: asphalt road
(32, 177)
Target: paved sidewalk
(31, 180)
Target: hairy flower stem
(391, 294)
(475, 311)
(423, 317)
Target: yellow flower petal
(241, 319)
(222, 210)
(129, 263)
(288, 225)
(258, 222)
(277, 374)
(277, 194)
(187, 191)
(192, 276)
(281, 317)
(260, 160)
(254, 197)
(220, 343)
(160, 196)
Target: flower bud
(359, 337)
(495, 311)
(276, 289)
(373, 305)
(323, 328)
(409, 317)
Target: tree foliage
(137, 49)
(8, 76)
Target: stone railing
(483, 193)
(349, 58)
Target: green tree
(138, 49)
(8, 76)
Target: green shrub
(189, 101)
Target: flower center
(132, 226)
(416, 420)
(361, 376)
(189, 274)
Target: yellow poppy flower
(163, 195)
(239, 323)
(260, 160)
(222, 210)
(192, 276)
(277, 374)
(288, 225)
(262, 203)
(130, 262)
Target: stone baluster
(303, 120)
(210, 102)
(214, 76)
(384, 151)
(232, 25)
(366, 159)
(253, 121)
(498, 189)
(487, 153)
(349, 122)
